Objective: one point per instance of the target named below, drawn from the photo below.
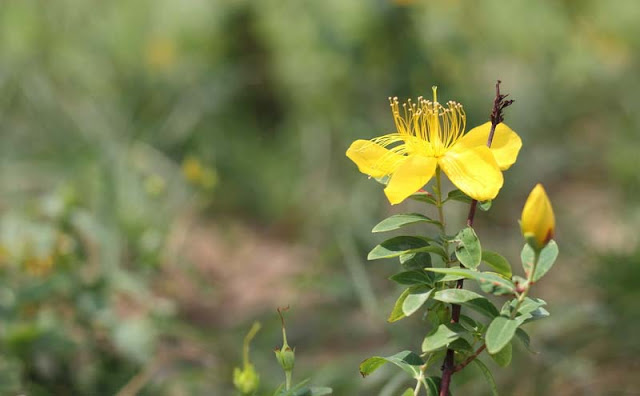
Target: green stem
(287, 377)
(439, 199)
(416, 391)
(523, 295)
(420, 380)
(440, 205)
(521, 298)
(247, 340)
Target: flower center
(427, 127)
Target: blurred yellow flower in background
(428, 136)
(38, 266)
(538, 222)
(198, 174)
(160, 53)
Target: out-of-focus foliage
(123, 120)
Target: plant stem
(523, 295)
(440, 205)
(472, 213)
(439, 199)
(496, 118)
(521, 298)
(287, 377)
(420, 381)
(470, 359)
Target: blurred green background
(172, 171)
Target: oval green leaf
(503, 357)
(396, 312)
(497, 262)
(414, 300)
(530, 305)
(457, 195)
(523, 336)
(469, 299)
(415, 261)
(412, 278)
(548, 256)
(424, 196)
(400, 245)
(406, 360)
(468, 250)
(486, 373)
(489, 282)
(461, 345)
(500, 332)
(400, 220)
(442, 336)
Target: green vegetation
(172, 172)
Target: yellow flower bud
(246, 380)
(538, 222)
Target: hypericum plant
(430, 139)
(246, 380)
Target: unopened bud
(538, 222)
(286, 357)
(246, 380)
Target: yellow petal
(373, 159)
(411, 175)
(474, 171)
(538, 221)
(505, 145)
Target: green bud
(286, 357)
(246, 380)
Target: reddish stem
(448, 367)
(469, 359)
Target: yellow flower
(430, 135)
(538, 223)
(161, 53)
(195, 172)
(192, 169)
(246, 380)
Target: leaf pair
(547, 258)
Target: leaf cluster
(433, 268)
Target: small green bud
(246, 380)
(286, 357)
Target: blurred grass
(160, 160)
